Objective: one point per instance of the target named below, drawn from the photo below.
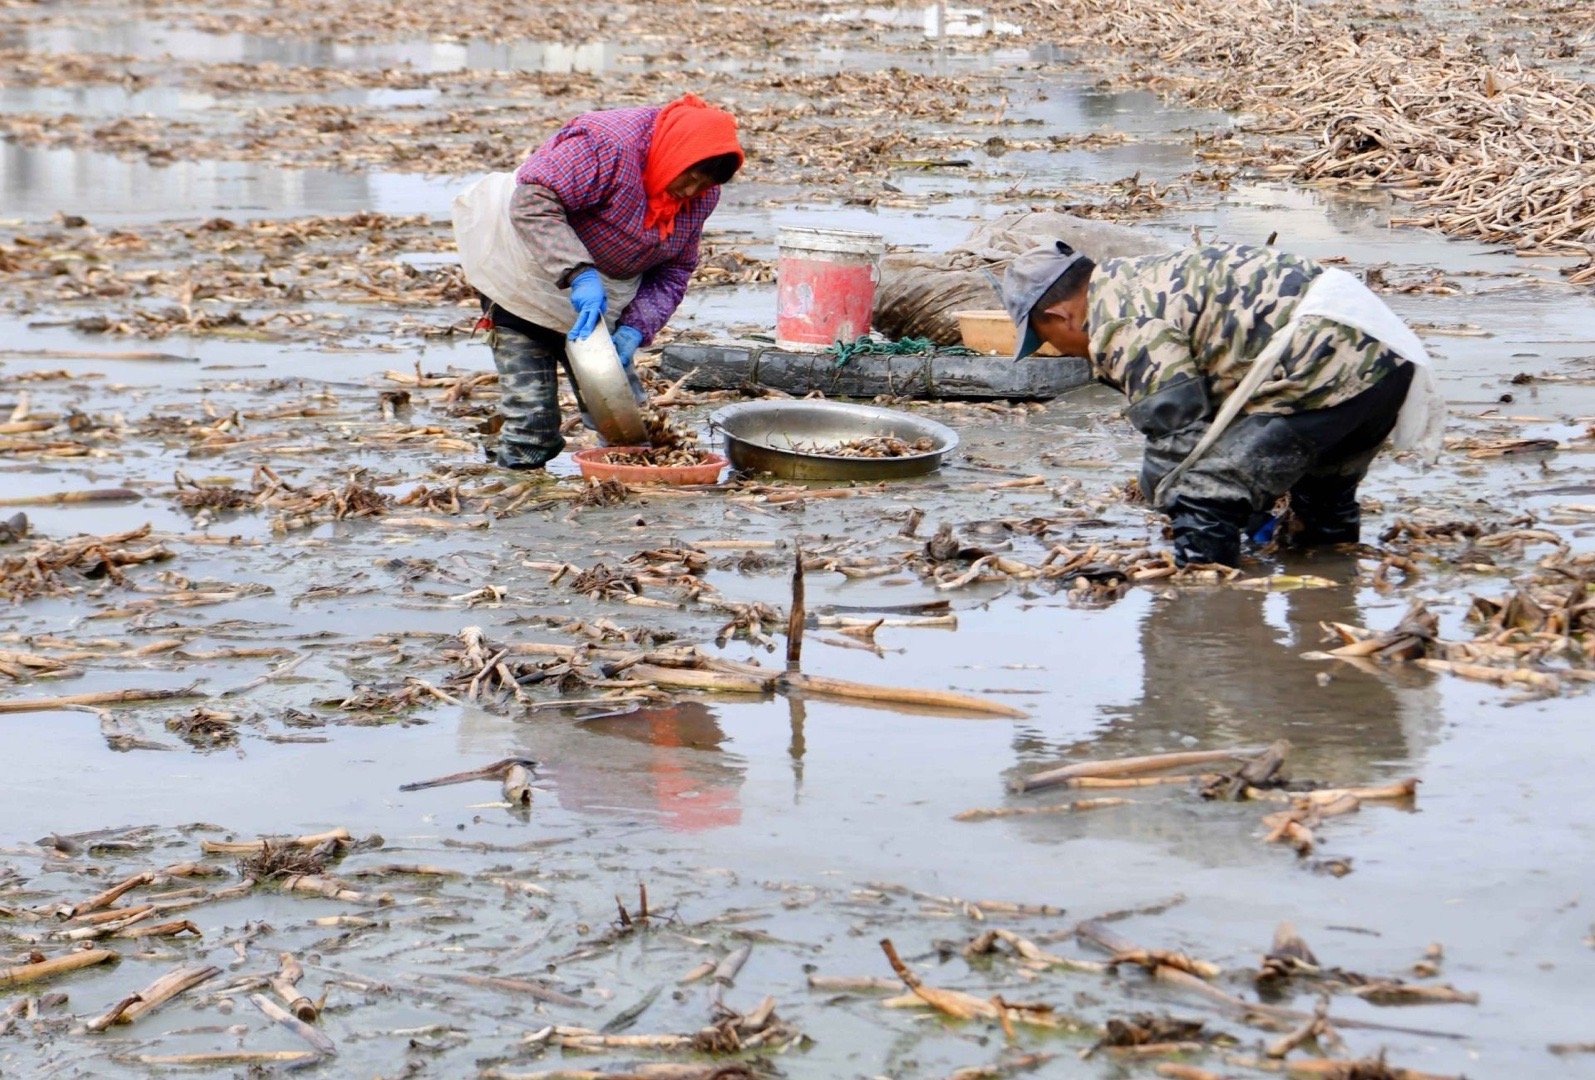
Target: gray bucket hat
(1029, 276)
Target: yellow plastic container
(992, 332)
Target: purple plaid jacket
(581, 202)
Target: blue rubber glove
(1263, 533)
(588, 298)
(627, 339)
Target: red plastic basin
(595, 465)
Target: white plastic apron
(498, 263)
(1339, 297)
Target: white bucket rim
(833, 241)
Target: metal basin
(605, 390)
(787, 439)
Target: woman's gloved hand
(587, 296)
(627, 339)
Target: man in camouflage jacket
(1176, 333)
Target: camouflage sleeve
(1144, 355)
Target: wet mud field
(297, 594)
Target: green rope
(843, 352)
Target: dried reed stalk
(824, 686)
(285, 984)
(253, 847)
(22, 974)
(318, 1041)
(1130, 766)
(153, 996)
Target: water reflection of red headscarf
(686, 132)
(682, 774)
(691, 802)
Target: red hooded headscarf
(686, 132)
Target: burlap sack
(918, 294)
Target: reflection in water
(147, 40)
(36, 182)
(685, 723)
(106, 100)
(690, 791)
(944, 21)
(1224, 667)
(798, 714)
(177, 102)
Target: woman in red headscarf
(608, 214)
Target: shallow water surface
(808, 827)
(150, 40)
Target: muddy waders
(528, 358)
(528, 378)
(1318, 457)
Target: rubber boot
(1326, 511)
(1208, 530)
(528, 401)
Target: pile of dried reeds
(50, 567)
(1484, 148)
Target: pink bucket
(825, 286)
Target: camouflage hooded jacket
(1207, 311)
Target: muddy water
(720, 807)
(790, 810)
(36, 182)
(146, 40)
(176, 103)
